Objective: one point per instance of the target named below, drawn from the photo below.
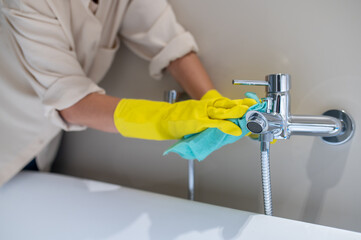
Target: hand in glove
(161, 121)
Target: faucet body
(278, 119)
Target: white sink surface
(49, 206)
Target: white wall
(317, 42)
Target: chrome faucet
(278, 119)
(334, 126)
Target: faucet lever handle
(250, 82)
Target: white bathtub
(48, 206)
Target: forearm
(189, 72)
(95, 111)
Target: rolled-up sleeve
(48, 57)
(151, 31)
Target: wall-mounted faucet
(334, 126)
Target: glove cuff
(211, 94)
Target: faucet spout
(260, 123)
(323, 126)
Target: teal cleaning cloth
(200, 145)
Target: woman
(54, 53)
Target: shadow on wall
(324, 169)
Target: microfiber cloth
(200, 145)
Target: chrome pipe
(170, 96)
(191, 180)
(323, 126)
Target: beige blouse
(54, 52)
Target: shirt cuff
(176, 48)
(64, 93)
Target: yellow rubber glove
(211, 94)
(214, 94)
(247, 101)
(161, 121)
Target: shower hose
(266, 177)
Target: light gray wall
(317, 42)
